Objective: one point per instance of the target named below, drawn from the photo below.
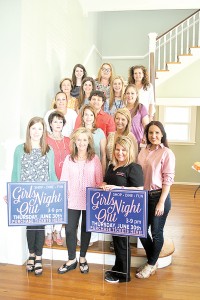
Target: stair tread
(189, 54)
(162, 70)
(174, 62)
(104, 247)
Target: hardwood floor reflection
(181, 280)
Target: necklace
(58, 138)
(62, 150)
(82, 157)
(119, 105)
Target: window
(179, 123)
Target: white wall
(182, 85)
(41, 41)
(126, 33)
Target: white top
(70, 118)
(146, 97)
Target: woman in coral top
(81, 169)
(60, 147)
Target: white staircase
(173, 68)
(175, 49)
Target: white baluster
(170, 46)
(164, 53)
(199, 30)
(187, 39)
(193, 35)
(181, 38)
(176, 36)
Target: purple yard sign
(37, 203)
(117, 212)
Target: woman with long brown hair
(34, 162)
(139, 114)
(138, 75)
(87, 86)
(158, 164)
(78, 74)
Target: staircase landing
(100, 253)
(172, 68)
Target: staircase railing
(176, 41)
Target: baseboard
(187, 183)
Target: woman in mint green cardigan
(34, 162)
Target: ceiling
(119, 5)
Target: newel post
(152, 50)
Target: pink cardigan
(80, 174)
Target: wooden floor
(181, 280)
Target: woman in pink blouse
(81, 169)
(158, 164)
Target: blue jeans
(153, 245)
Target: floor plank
(181, 280)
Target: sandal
(139, 269)
(49, 240)
(66, 268)
(111, 246)
(84, 268)
(143, 266)
(57, 238)
(30, 264)
(146, 272)
(38, 267)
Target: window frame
(191, 123)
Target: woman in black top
(122, 173)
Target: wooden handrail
(177, 25)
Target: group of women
(92, 137)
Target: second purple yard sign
(117, 212)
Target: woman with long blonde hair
(115, 100)
(81, 169)
(104, 79)
(122, 119)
